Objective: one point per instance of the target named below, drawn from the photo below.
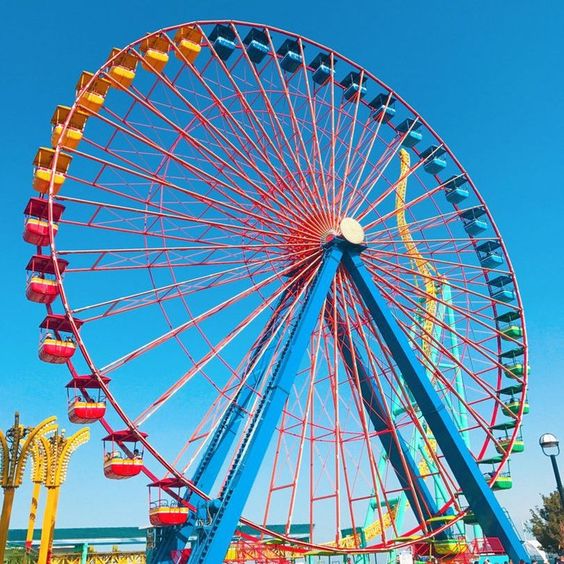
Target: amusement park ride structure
(348, 340)
(50, 452)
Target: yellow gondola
(187, 40)
(123, 67)
(91, 92)
(155, 52)
(43, 173)
(74, 131)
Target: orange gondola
(188, 42)
(155, 52)
(91, 92)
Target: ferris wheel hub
(352, 231)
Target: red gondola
(85, 405)
(41, 290)
(41, 286)
(36, 226)
(56, 351)
(54, 348)
(86, 411)
(36, 231)
(165, 512)
(116, 465)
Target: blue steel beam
(214, 542)
(480, 498)
(397, 449)
(170, 540)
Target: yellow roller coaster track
(417, 261)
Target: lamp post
(551, 448)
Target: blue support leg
(214, 541)
(397, 449)
(482, 501)
(171, 540)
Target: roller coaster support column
(480, 498)
(397, 450)
(214, 541)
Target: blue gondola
(353, 84)
(321, 66)
(433, 161)
(257, 45)
(383, 106)
(455, 190)
(222, 39)
(499, 290)
(473, 222)
(290, 53)
(489, 254)
(410, 129)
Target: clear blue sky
(486, 75)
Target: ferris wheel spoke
(377, 483)
(311, 103)
(191, 322)
(390, 190)
(415, 291)
(359, 191)
(363, 157)
(296, 129)
(218, 163)
(307, 417)
(335, 323)
(387, 289)
(429, 194)
(475, 315)
(430, 258)
(169, 292)
(387, 367)
(396, 384)
(421, 227)
(235, 213)
(276, 124)
(140, 214)
(333, 402)
(236, 384)
(223, 141)
(159, 402)
(108, 260)
(349, 145)
(230, 392)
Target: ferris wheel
(282, 296)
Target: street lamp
(551, 447)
